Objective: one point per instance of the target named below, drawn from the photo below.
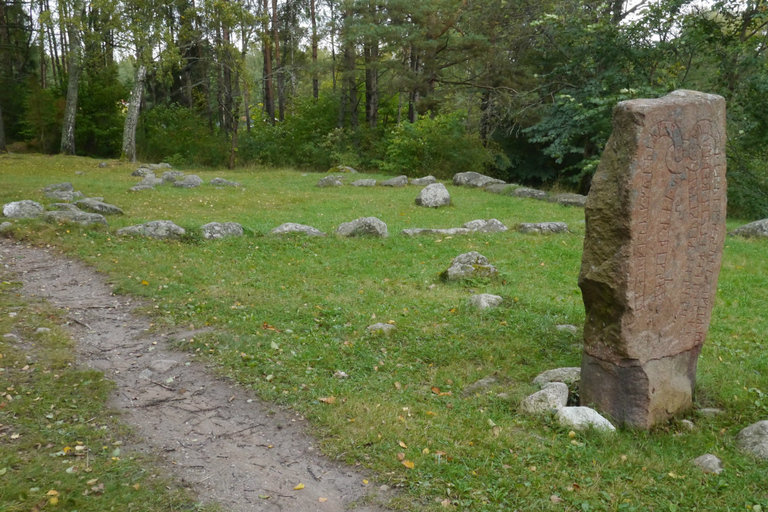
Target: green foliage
(43, 112)
(100, 120)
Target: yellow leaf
(435, 390)
(365, 482)
(137, 486)
(402, 444)
(53, 501)
(52, 493)
(408, 464)
(425, 451)
(145, 283)
(298, 487)
(92, 481)
(322, 500)
(328, 400)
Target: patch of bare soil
(217, 438)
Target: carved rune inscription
(674, 253)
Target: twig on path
(162, 385)
(79, 322)
(159, 401)
(228, 434)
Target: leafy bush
(100, 121)
(43, 112)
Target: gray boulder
(216, 230)
(474, 180)
(364, 183)
(569, 199)
(343, 168)
(292, 227)
(381, 328)
(363, 226)
(434, 196)
(426, 180)
(469, 265)
(485, 301)
(154, 229)
(438, 231)
(398, 181)
(754, 439)
(171, 176)
(6, 227)
(63, 207)
(25, 209)
(543, 228)
(144, 172)
(757, 229)
(75, 217)
(708, 463)
(141, 186)
(485, 226)
(154, 167)
(552, 397)
(92, 205)
(531, 193)
(62, 195)
(60, 187)
(568, 375)
(188, 181)
(582, 418)
(330, 181)
(220, 182)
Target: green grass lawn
(290, 312)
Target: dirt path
(216, 437)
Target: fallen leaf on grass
(408, 464)
(401, 456)
(298, 487)
(446, 503)
(436, 390)
(555, 498)
(328, 400)
(268, 327)
(402, 444)
(398, 386)
(52, 492)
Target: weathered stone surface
(188, 181)
(154, 229)
(141, 186)
(171, 176)
(397, 181)
(216, 230)
(567, 327)
(485, 226)
(144, 172)
(754, 439)
(710, 412)
(150, 181)
(474, 180)
(485, 301)
(103, 165)
(63, 207)
(708, 463)
(370, 226)
(468, 265)
(78, 217)
(162, 365)
(436, 231)
(6, 227)
(364, 183)
(220, 182)
(543, 228)
(381, 328)
(344, 169)
(330, 181)
(25, 209)
(757, 229)
(530, 193)
(92, 205)
(569, 375)
(582, 418)
(61, 195)
(426, 180)
(552, 397)
(59, 187)
(568, 199)
(292, 227)
(652, 250)
(434, 196)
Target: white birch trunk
(70, 111)
(132, 117)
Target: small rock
(479, 384)
(569, 199)
(754, 439)
(171, 176)
(75, 217)
(582, 418)
(42, 330)
(757, 229)
(474, 180)
(145, 374)
(567, 327)
(10, 336)
(427, 231)
(219, 182)
(6, 227)
(485, 226)
(553, 396)
(330, 181)
(343, 168)
(687, 425)
(340, 374)
(141, 186)
(62, 187)
(530, 193)
(144, 172)
(381, 328)
(710, 412)
(217, 230)
(162, 365)
(543, 228)
(25, 209)
(469, 265)
(426, 180)
(154, 229)
(92, 205)
(188, 181)
(102, 165)
(151, 181)
(292, 227)
(434, 196)
(384, 488)
(364, 183)
(363, 226)
(485, 301)
(568, 375)
(398, 181)
(708, 463)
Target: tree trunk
(315, 79)
(333, 43)
(3, 147)
(132, 118)
(235, 124)
(269, 95)
(413, 97)
(70, 110)
(278, 65)
(371, 83)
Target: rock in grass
(485, 226)
(364, 183)
(438, 231)
(479, 385)
(708, 463)
(63, 207)
(398, 181)
(142, 186)
(24, 209)
(504, 189)
(154, 229)
(582, 418)
(426, 180)
(757, 229)
(220, 182)
(6, 227)
(474, 180)
(568, 375)
(434, 196)
(343, 168)
(60, 187)
(103, 165)
(92, 205)
(552, 397)
(63, 195)
(381, 328)
(75, 217)
(292, 227)
(188, 181)
(364, 226)
(754, 439)
(217, 230)
(543, 228)
(144, 172)
(485, 301)
(531, 193)
(469, 265)
(569, 199)
(330, 181)
(172, 176)
(567, 327)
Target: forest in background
(519, 89)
